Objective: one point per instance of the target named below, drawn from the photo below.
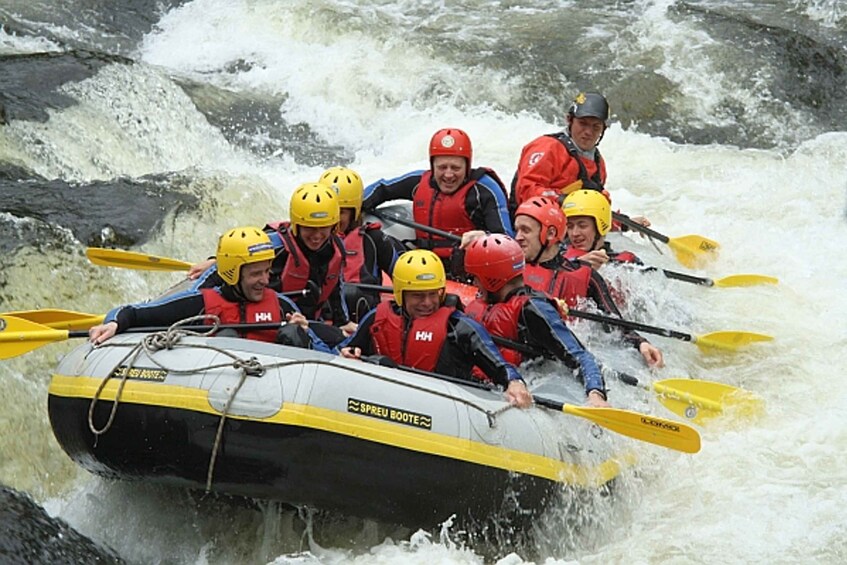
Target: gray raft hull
(319, 430)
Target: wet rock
(118, 212)
(29, 536)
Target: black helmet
(590, 105)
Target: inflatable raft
(267, 421)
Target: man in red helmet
(451, 196)
(539, 229)
(512, 310)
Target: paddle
(59, 319)
(728, 340)
(644, 427)
(690, 250)
(728, 281)
(132, 260)
(19, 336)
(693, 399)
(383, 215)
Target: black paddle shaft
(630, 223)
(630, 325)
(410, 224)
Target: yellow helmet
(239, 247)
(589, 203)
(313, 205)
(419, 269)
(348, 184)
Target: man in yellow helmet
(369, 251)
(308, 256)
(418, 330)
(244, 257)
(589, 219)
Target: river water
(158, 125)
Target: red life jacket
(567, 285)
(263, 312)
(295, 274)
(593, 180)
(447, 212)
(419, 345)
(572, 252)
(500, 319)
(355, 269)
(626, 257)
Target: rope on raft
(172, 338)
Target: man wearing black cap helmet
(555, 165)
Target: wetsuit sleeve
(546, 330)
(400, 188)
(386, 249)
(163, 312)
(540, 169)
(487, 207)
(287, 306)
(475, 343)
(361, 338)
(598, 291)
(340, 314)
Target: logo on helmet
(253, 249)
(448, 141)
(425, 277)
(580, 98)
(318, 215)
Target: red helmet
(547, 213)
(495, 260)
(451, 141)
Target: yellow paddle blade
(59, 319)
(644, 427)
(745, 280)
(693, 250)
(728, 340)
(19, 336)
(132, 260)
(700, 401)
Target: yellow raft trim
(357, 426)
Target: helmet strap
(597, 237)
(541, 251)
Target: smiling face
(527, 234)
(314, 238)
(449, 172)
(586, 132)
(422, 303)
(582, 232)
(253, 280)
